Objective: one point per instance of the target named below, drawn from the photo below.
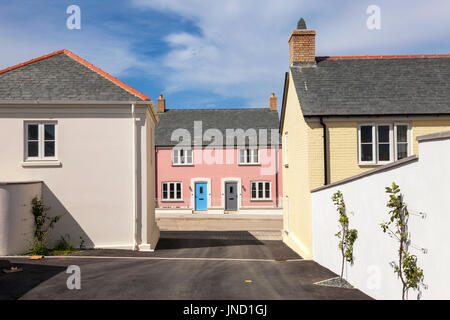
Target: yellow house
(342, 116)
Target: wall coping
(370, 172)
(434, 136)
(3, 183)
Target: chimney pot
(161, 104)
(302, 45)
(273, 102)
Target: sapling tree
(43, 224)
(406, 269)
(347, 237)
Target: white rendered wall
(16, 218)
(93, 186)
(426, 186)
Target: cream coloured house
(85, 141)
(342, 116)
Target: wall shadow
(67, 226)
(15, 285)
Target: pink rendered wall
(266, 171)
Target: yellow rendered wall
(343, 145)
(296, 185)
(423, 127)
(305, 170)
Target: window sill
(249, 164)
(43, 163)
(182, 165)
(170, 201)
(261, 200)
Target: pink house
(218, 160)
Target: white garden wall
(425, 183)
(16, 219)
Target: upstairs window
(40, 141)
(260, 190)
(171, 191)
(182, 157)
(249, 156)
(383, 143)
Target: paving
(219, 222)
(203, 268)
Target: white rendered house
(87, 140)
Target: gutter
(325, 151)
(133, 119)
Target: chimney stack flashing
(302, 46)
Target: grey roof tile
(375, 86)
(59, 77)
(220, 119)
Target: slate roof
(63, 76)
(220, 119)
(346, 86)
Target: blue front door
(201, 197)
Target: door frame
(208, 191)
(239, 191)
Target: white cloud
(242, 49)
(36, 35)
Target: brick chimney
(302, 45)
(161, 104)
(273, 102)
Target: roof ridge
(105, 75)
(31, 61)
(86, 64)
(386, 56)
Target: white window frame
(374, 154)
(251, 162)
(286, 150)
(264, 198)
(185, 162)
(375, 142)
(168, 183)
(408, 139)
(391, 143)
(41, 141)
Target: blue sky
(210, 53)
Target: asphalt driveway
(179, 269)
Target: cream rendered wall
(296, 178)
(94, 183)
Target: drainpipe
(325, 149)
(133, 119)
(276, 176)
